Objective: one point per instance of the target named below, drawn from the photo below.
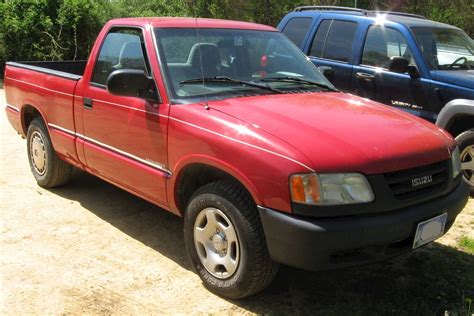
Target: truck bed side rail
(72, 70)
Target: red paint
(259, 140)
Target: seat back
(210, 56)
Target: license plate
(429, 230)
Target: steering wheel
(456, 62)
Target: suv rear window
(334, 39)
(296, 29)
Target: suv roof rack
(328, 8)
(349, 9)
(411, 15)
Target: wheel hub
(216, 242)
(219, 242)
(467, 163)
(38, 153)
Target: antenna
(206, 106)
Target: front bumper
(325, 243)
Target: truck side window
(334, 39)
(381, 44)
(123, 48)
(296, 29)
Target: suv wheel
(466, 147)
(225, 241)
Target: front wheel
(48, 170)
(225, 241)
(466, 147)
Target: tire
(48, 170)
(249, 268)
(466, 148)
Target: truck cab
(398, 59)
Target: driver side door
(372, 78)
(125, 138)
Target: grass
(466, 244)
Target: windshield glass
(445, 49)
(233, 63)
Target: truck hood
(340, 132)
(463, 78)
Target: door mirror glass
(132, 83)
(398, 64)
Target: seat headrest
(131, 55)
(210, 54)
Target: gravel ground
(92, 248)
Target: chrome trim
(62, 129)
(13, 108)
(127, 107)
(244, 143)
(41, 87)
(126, 154)
(116, 150)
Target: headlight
(330, 189)
(456, 162)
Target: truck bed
(65, 69)
(49, 88)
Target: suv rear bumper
(325, 243)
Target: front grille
(401, 182)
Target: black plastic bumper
(325, 243)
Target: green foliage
(467, 244)
(49, 29)
(138, 8)
(66, 29)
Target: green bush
(66, 29)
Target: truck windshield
(221, 63)
(444, 48)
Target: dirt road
(92, 248)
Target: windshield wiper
(299, 80)
(223, 79)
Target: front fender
(452, 109)
(213, 162)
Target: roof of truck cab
(192, 22)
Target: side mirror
(413, 72)
(398, 64)
(132, 83)
(327, 72)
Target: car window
(296, 29)
(445, 48)
(383, 43)
(320, 38)
(334, 39)
(121, 49)
(256, 57)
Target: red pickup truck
(229, 125)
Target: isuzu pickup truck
(229, 125)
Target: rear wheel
(48, 170)
(225, 241)
(466, 147)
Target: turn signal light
(305, 188)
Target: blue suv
(403, 60)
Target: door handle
(87, 103)
(364, 76)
